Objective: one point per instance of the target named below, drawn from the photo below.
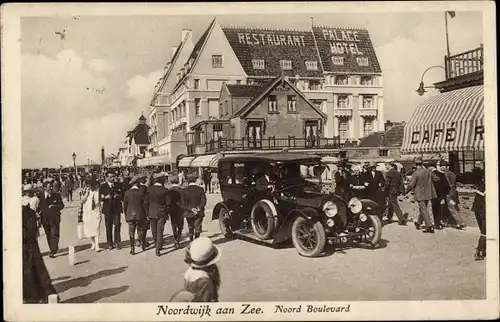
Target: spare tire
(263, 218)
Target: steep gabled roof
(349, 44)
(273, 45)
(197, 50)
(267, 87)
(238, 90)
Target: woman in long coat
(91, 214)
(37, 285)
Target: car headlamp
(330, 222)
(363, 217)
(330, 209)
(355, 205)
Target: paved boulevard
(409, 265)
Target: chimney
(174, 49)
(184, 33)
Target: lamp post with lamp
(421, 88)
(74, 163)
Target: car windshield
(303, 176)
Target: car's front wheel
(308, 237)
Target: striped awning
(157, 160)
(451, 121)
(205, 161)
(185, 162)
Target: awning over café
(205, 161)
(451, 121)
(185, 162)
(157, 160)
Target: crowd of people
(432, 184)
(149, 201)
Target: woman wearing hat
(202, 279)
(91, 214)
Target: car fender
(369, 205)
(285, 230)
(229, 205)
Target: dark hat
(192, 177)
(443, 162)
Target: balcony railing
(464, 63)
(273, 143)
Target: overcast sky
(125, 56)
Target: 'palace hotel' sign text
(342, 41)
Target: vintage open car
(269, 198)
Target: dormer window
(338, 60)
(258, 63)
(311, 65)
(362, 61)
(286, 64)
(366, 80)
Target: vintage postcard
(250, 161)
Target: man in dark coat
(479, 208)
(442, 188)
(155, 203)
(376, 183)
(111, 198)
(194, 201)
(342, 179)
(207, 180)
(135, 214)
(51, 205)
(394, 187)
(421, 184)
(452, 197)
(37, 285)
(175, 209)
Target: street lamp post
(74, 163)
(421, 88)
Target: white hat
(27, 187)
(203, 252)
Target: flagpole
(446, 27)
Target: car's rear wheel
(262, 219)
(225, 223)
(308, 237)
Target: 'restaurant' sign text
(342, 41)
(271, 39)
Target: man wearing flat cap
(194, 201)
(157, 209)
(51, 205)
(421, 184)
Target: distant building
(335, 68)
(136, 142)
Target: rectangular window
(183, 110)
(368, 127)
(226, 108)
(315, 85)
(198, 137)
(292, 104)
(286, 64)
(362, 61)
(342, 102)
(367, 102)
(341, 80)
(338, 60)
(311, 65)
(217, 131)
(383, 153)
(344, 128)
(217, 61)
(258, 64)
(197, 108)
(196, 84)
(366, 80)
(272, 104)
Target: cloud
(100, 66)
(61, 109)
(141, 88)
